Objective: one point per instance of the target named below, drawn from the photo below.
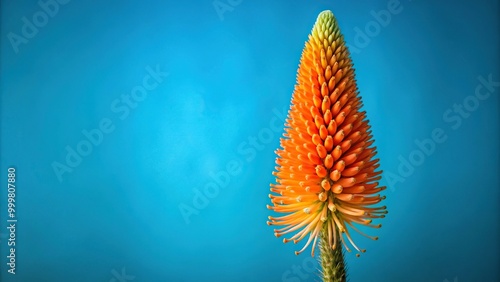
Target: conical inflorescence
(326, 174)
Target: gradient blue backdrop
(119, 209)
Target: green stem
(332, 261)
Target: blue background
(228, 76)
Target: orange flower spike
(326, 167)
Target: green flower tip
(326, 17)
(326, 27)
(325, 23)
